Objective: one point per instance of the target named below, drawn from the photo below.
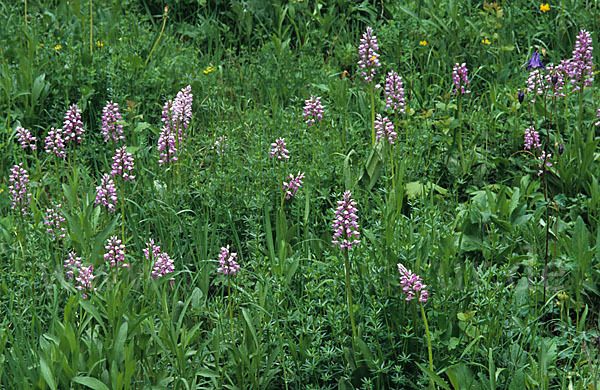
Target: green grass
(510, 258)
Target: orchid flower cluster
(122, 164)
(412, 285)
(111, 126)
(313, 110)
(228, 263)
(57, 139)
(532, 139)
(115, 253)
(460, 78)
(18, 181)
(55, 222)
(279, 150)
(54, 143)
(293, 184)
(163, 263)
(176, 117)
(72, 129)
(369, 58)
(394, 93)
(83, 275)
(107, 193)
(345, 225)
(579, 68)
(546, 80)
(221, 144)
(385, 129)
(550, 80)
(531, 142)
(26, 139)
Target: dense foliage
(299, 194)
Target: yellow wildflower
(423, 43)
(41, 45)
(57, 47)
(486, 41)
(209, 69)
(100, 44)
(544, 7)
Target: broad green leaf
(250, 325)
(47, 374)
(435, 377)
(100, 239)
(90, 382)
(207, 373)
(119, 343)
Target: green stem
(230, 308)
(459, 133)
(428, 341)
(123, 210)
(159, 36)
(580, 117)
(349, 292)
(91, 29)
(372, 114)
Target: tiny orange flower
(423, 43)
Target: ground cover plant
(299, 195)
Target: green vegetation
(505, 238)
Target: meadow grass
(299, 195)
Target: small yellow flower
(544, 7)
(373, 58)
(486, 41)
(41, 45)
(120, 38)
(423, 43)
(209, 69)
(57, 47)
(100, 44)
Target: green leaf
(207, 373)
(93, 311)
(348, 179)
(291, 270)
(269, 234)
(461, 377)
(517, 381)
(435, 377)
(366, 353)
(453, 343)
(414, 189)
(373, 167)
(90, 382)
(47, 374)
(100, 239)
(250, 325)
(119, 344)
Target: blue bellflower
(534, 62)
